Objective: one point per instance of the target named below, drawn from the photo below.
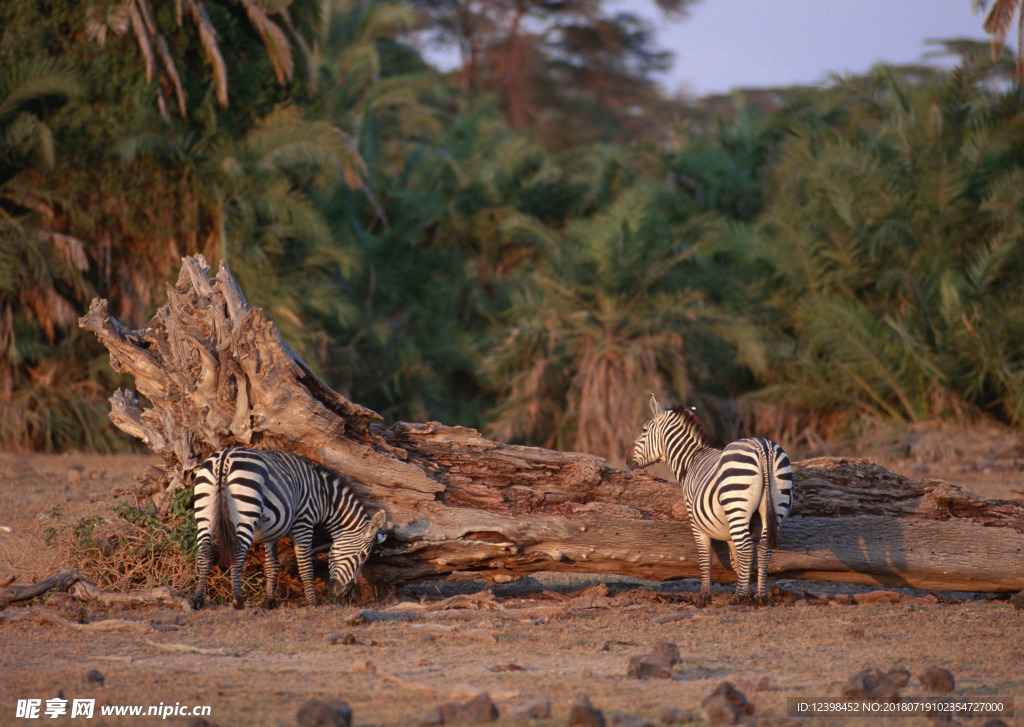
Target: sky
(725, 44)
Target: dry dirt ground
(549, 638)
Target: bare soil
(548, 638)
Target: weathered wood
(218, 373)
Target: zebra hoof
(239, 604)
(198, 601)
(270, 604)
(741, 601)
(702, 600)
(762, 600)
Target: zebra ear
(377, 522)
(655, 406)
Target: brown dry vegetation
(548, 638)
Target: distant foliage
(529, 253)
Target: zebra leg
(303, 541)
(241, 550)
(745, 556)
(704, 560)
(764, 556)
(271, 568)
(203, 561)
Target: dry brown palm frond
(274, 39)
(209, 39)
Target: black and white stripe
(244, 496)
(735, 494)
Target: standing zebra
(730, 493)
(247, 495)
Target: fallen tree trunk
(218, 373)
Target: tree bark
(217, 373)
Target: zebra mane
(689, 417)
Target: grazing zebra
(246, 495)
(730, 493)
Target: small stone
(667, 651)
(478, 710)
(872, 684)
(725, 705)
(937, 680)
(649, 666)
(343, 639)
(719, 710)
(584, 714)
(899, 676)
(95, 676)
(534, 709)
(321, 713)
(1018, 601)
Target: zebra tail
(223, 528)
(771, 520)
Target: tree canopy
(529, 245)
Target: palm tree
(608, 318)
(271, 21)
(41, 269)
(997, 24)
(258, 194)
(898, 237)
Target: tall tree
(998, 21)
(551, 62)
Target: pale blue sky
(725, 44)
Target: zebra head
(349, 553)
(675, 425)
(649, 447)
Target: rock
(1017, 600)
(344, 639)
(937, 680)
(95, 676)
(719, 710)
(725, 705)
(649, 666)
(321, 713)
(534, 709)
(872, 684)
(899, 676)
(584, 714)
(655, 665)
(479, 710)
(667, 651)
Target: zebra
(730, 493)
(247, 495)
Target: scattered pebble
(655, 665)
(95, 676)
(725, 705)
(937, 680)
(584, 714)
(899, 675)
(479, 710)
(873, 684)
(320, 713)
